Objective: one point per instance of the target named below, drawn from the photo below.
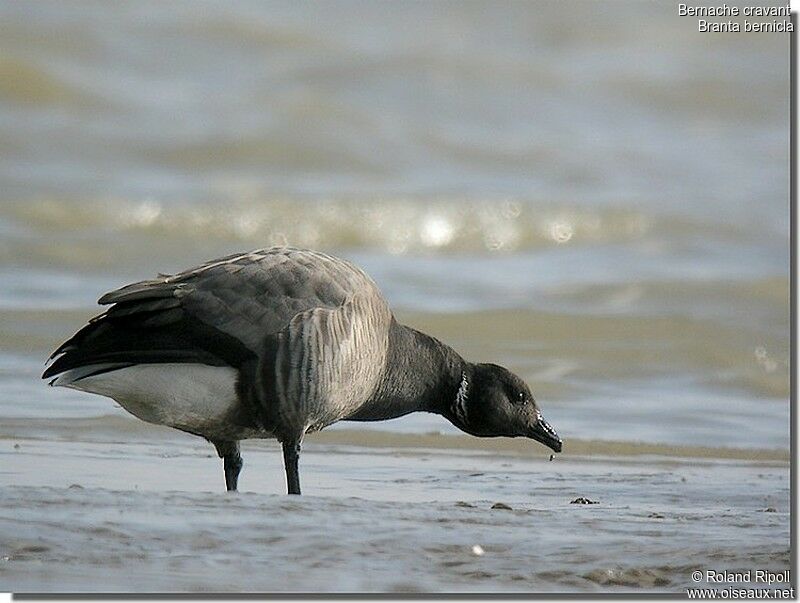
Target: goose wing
(218, 313)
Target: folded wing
(217, 314)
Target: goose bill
(544, 433)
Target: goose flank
(278, 343)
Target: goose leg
(233, 465)
(231, 461)
(291, 454)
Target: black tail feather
(146, 333)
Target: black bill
(544, 433)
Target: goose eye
(521, 397)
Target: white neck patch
(460, 403)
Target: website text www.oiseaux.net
(741, 588)
(735, 592)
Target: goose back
(217, 314)
(249, 296)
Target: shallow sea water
(590, 193)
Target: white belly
(193, 397)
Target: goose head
(493, 402)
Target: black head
(492, 401)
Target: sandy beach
(141, 509)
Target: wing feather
(220, 312)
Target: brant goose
(278, 343)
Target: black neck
(423, 374)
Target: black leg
(291, 453)
(231, 462)
(233, 465)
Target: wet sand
(130, 507)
